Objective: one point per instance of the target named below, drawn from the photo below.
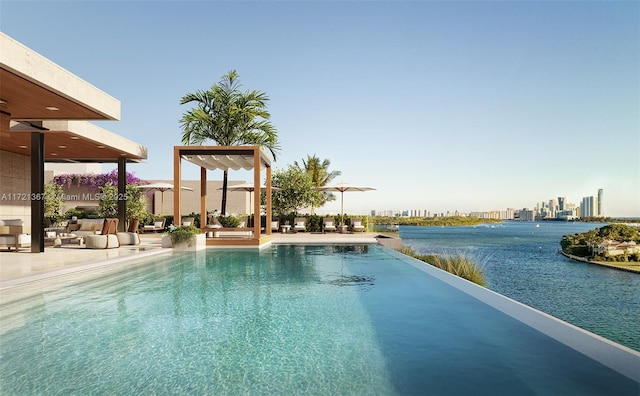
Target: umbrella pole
(342, 205)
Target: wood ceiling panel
(61, 147)
(28, 101)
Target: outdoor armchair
(130, 237)
(108, 237)
(187, 221)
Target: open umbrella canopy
(248, 187)
(162, 187)
(341, 188)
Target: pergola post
(256, 191)
(177, 187)
(268, 207)
(203, 197)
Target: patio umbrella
(341, 188)
(248, 187)
(162, 187)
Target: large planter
(198, 242)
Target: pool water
(284, 320)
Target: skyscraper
(600, 212)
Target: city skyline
(560, 208)
(439, 105)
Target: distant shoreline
(601, 263)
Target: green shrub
(229, 221)
(183, 234)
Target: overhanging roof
(73, 141)
(34, 88)
(38, 95)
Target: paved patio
(24, 266)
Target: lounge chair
(328, 224)
(158, 225)
(300, 224)
(187, 221)
(275, 225)
(356, 225)
(108, 237)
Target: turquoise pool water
(285, 320)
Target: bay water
(521, 260)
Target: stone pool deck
(25, 265)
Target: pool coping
(77, 268)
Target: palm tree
(228, 117)
(320, 176)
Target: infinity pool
(284, 320)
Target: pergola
(43, 113)
(225, 158)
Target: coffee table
(63, 240)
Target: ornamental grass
(457, 265)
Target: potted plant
(229, 221)
(184, 238)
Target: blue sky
(440, 106)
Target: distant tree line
(431, 221)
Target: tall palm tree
(320, 176)
(228, 117)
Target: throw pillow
(87, 226)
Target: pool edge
(617, 357)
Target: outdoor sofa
(12, 234)
(85, 227)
